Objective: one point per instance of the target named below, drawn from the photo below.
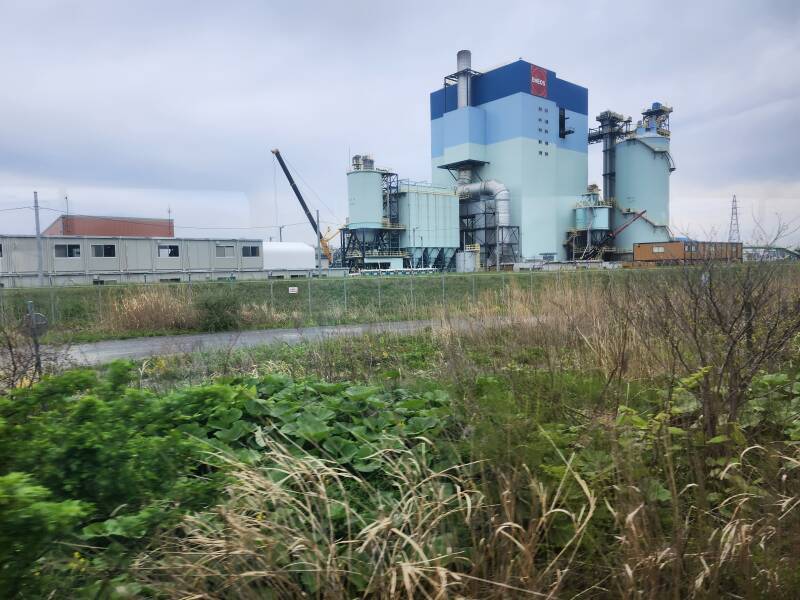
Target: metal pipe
(464, 64)
(498, 192)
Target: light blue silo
(365, 199)
(593, 217)
(643, 167)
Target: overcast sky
(134, 108)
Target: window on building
(547, 143)
(168, 250)
(540, 141)
(547, 154)
(170, 280)
(658, 249)
(104, 250)
(68, 250)
(546, 121)
(104, 281)
(540, 109)
(545, 110)
(225, 252)
(1, 250)
(546, 131)
(251, 251)
(540, 152)
(540, 130)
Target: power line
(311, 189)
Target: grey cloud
(192, 95)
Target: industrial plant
(508, 190)
(509, 183)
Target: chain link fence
(148, 308)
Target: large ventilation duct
(500, 196)
(464, 65)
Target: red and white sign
(538, 81)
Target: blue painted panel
(464, 125)
(575, 141)
(437, 137)
(444, 100)
(508, 80)
(501, 82)
(569, 95)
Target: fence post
(503, 290)
(530, 286)
(310, 312)
(271, 298)
(413, 303)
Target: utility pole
(733, 230)
(39, 255)
(280, 232)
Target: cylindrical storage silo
(643, 167)
(365, 199)
(580, 218)
(599, 217)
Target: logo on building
(538, 81)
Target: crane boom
(597, 248)
(314, 225)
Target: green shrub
(131, 461)
(219, 309)
(30, 522)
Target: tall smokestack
(464, 64)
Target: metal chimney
(464, 65)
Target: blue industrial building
(509, 157)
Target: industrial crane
(597, 248)
(323, 239)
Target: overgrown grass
(104, 312)
(558, 445)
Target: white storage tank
(288, 256)
(364, 196)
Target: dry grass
(302, 525)
(152, 308)
(306, 527)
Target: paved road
(103, 352)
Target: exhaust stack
(463, 65)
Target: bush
(132, 461)
(218, 309)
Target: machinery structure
(509, 159)
(324, 241)
(394, 223)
